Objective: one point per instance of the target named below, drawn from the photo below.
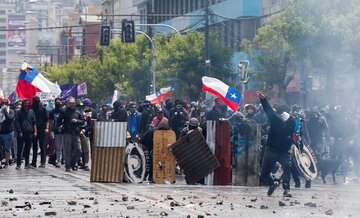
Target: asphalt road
(51, 191)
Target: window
(2, 20)
(2, 45)
(2, 11)
(2, 53)
(2, 61)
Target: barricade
(218, 139)
(194, 156)
(107, 163)
(247, 158)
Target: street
(52, 192)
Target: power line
(147, 15)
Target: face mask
(285, 116)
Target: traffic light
(105, 35)
(243, 68)
(128, 31)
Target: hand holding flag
(230, 96)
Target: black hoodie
(280, 134)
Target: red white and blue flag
(160, 96)
(230, 96)
(1, 95)
(32, 81)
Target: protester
(134, 119)
(7, 117)
(58, 135)
(25, 126)
(42, 128)
(69, 123)
(278, 145)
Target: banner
(82, 89)
(16, 32)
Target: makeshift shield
(137, 162)
(304, 162)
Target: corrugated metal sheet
(110, 134)
(194, 156)
(222, 175)
(107, 164)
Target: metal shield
(305, 162)
(137, 160)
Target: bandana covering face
(285, 116)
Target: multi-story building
(12, 41)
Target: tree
(181, 60)
(125, 67)
(308, 35)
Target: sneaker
(297, 184)
(67, 170)
(28, 167)
(42, 166)
(5, 165)
(287, 194)
(17, 168)
(308, 184)
(86, 168)
(33, 165)
(58, 165)
(272, 188)
(74, 168)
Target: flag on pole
(82, 89)
(230, 96)
(32, 81)
(115, 96)
(1, 95)
(154, 98)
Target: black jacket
(7, 125)
(280, 134)
(25, 121)
(64, 121)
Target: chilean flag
(154, 98)
(161, 96)
(1, 95)
(230, 96)
(32, 81)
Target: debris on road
(329, 212)
(310, 204)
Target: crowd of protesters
(62, 131)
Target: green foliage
(309, 34)
(125, 67)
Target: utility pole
(207, 56)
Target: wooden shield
(164, 163)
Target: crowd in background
(61, 132)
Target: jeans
(270, 158)
(23, 150)
(39, 140)
(72, 150)
(59, 143)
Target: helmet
(249, 106)
(87, 102)
(193, 122)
